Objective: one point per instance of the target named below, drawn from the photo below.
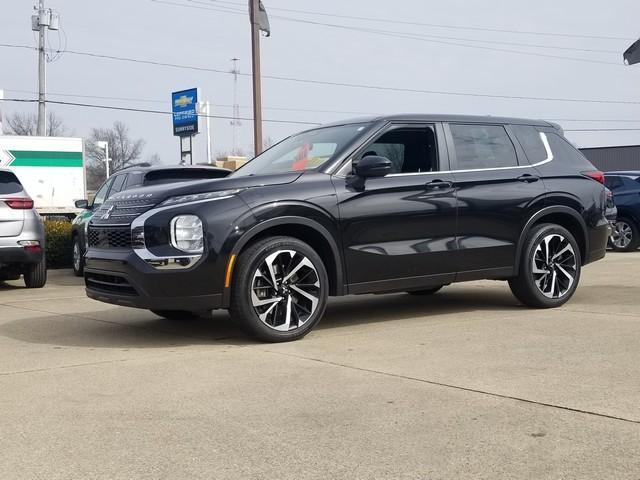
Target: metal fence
(614, 158)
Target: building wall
(614, 158)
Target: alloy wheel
(77, 256)
(622, 235)
(554, 266)
(285, 290)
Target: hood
(159, 193)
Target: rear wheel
(78, 257)
(625, 236)
(35, 276)
(549, 267)
(279, 290)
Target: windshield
(304, 151)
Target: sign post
(185, 121)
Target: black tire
(35, 276)
(633, 242)
(77, 256)
(176, 314)
(524, 286)
(301, 311)
(426, 291)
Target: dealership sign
(185, 115)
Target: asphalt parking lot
(464, 384)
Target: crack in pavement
(455, 387)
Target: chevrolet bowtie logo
(183, 101)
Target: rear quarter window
(531, 142)
(9, 183)
(566, 153)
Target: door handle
(438, 185)
(528, 178)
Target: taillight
(18, 203)
(596, 175)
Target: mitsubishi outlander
(397, 203)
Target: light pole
(105, 147)
(205, 109)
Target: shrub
(58, 243)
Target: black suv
(397, 203)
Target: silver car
(21, 234)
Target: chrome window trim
(545, 142)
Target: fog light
(187, 234)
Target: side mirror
(83, 204)
(373, 166)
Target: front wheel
(550, 267)
(624, 237)
(78, 257)
(279, 290)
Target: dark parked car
(131, 177)
(626, 196)
(398, 203)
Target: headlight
(187, 234)
(196, 197)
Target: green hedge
(58, 243)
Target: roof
(438, 117)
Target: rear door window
(482, 146)
(531, 142)
(9, 183)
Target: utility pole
(257, 88)
(259, 22)
(42, 71)
(43, 20)
(235, 122)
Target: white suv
(21, 234)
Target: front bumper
(121, 277)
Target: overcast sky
(435, 58)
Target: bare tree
(27, 123)
(123, 151)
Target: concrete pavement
(463, 384)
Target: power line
(142, 110)
(291, 109)
(342, 84)
(422, 24)
(164, 102)
(395, 34)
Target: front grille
(121, 212)
(109, 237)
(109, 283)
